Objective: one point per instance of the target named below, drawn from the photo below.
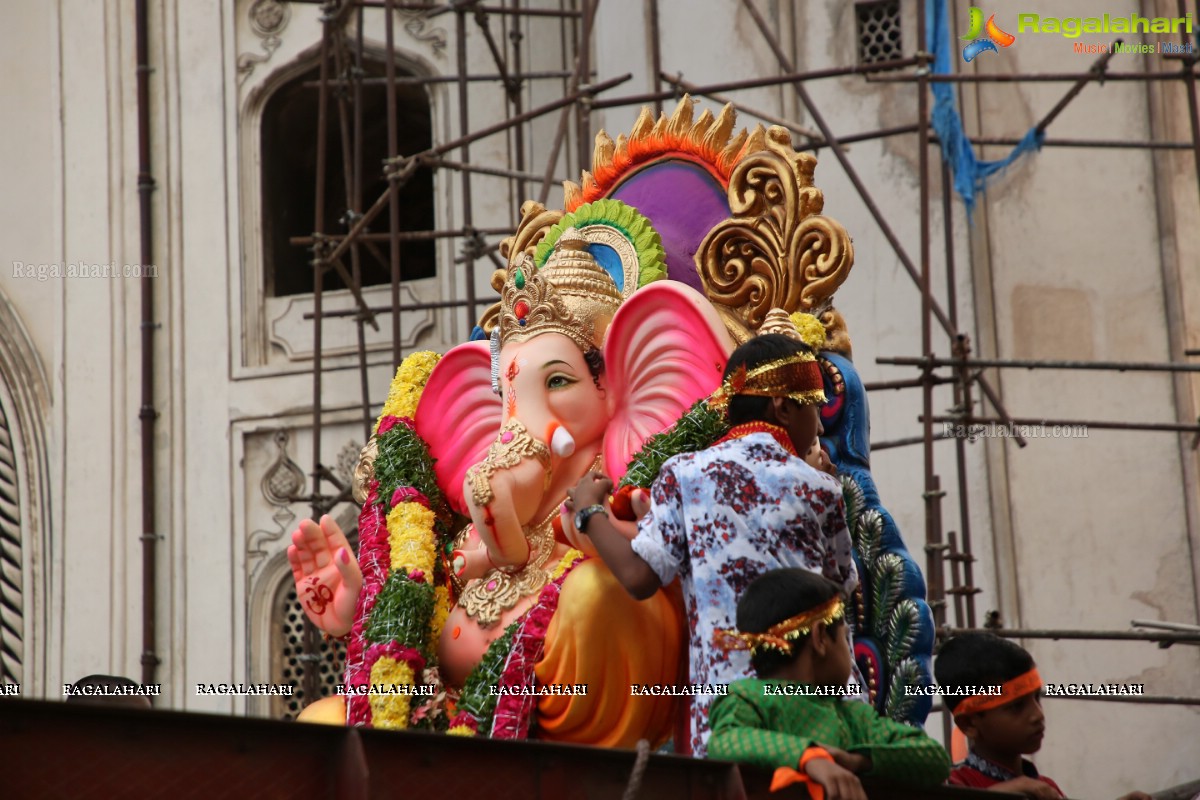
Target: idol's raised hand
(327, 576)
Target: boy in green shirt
(793, 717)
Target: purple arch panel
(683, 202)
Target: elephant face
(665, 348)
(552, 429)
(547, 384)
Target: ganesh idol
(584, 364)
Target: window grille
(289, 664)
(12, 648)
(879, 34)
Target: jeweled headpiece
(571, 295)
(780, 637)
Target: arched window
(289, 175)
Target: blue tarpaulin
(970, 174)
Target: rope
(639, 769)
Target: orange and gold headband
(797, 376)
(779, 637)
(1023, 684)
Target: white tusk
(562, 444)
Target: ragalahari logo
(979, 44)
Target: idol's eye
(559, 381)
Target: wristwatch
(584, 514)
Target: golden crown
(571, 295)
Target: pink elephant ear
(458, 416)
(666, 349)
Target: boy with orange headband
(792, 718)
(1001, 728)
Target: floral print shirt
(721, 517)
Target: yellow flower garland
(441, 610)
(410, 539)
(390, 710)
(408, 384)
(563, 563)
(811, 330)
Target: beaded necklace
(758, 426)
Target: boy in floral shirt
(721, 517)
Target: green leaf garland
(404, 460)
(402, 613)
(696, 430)
(477, 698)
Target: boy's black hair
(757, 351)
(978, 659)
(775, 596)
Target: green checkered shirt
(773, 731)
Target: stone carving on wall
(267, 18)
(414, 26)
(281, 484)
(347, 462)
(284, 480)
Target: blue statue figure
(893, 644)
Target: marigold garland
(411, 539)
(402, 613)
(392, 666)
(811, 330)
(404, 605)
(565, 563)
(402, 461)
(406, 388)
(441, 611)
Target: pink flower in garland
(373, 559)
(389, 422)
(407, 494)
(463, 724)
